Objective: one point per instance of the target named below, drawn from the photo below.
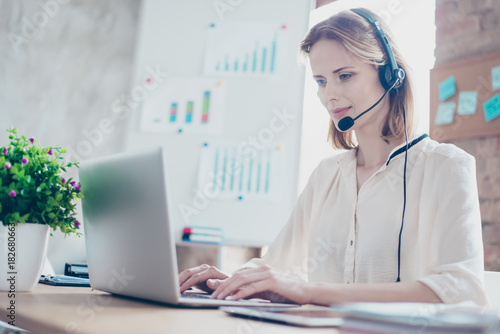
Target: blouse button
(351, 242)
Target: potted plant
(34, 196)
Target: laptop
(129, 234)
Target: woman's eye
(344, 76)
(321, 82)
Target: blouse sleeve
(289, 250)
(455, 245)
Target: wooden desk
(58, 310)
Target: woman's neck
(373, 151)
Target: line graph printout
(245, 49)
(240, 172)
(184, 105)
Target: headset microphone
(347, 122)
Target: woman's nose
(331, 92)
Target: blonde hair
(358, 37)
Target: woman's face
(346, 85)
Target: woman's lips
(338, 113)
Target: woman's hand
(264, 282)
(204, 277)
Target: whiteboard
(218, 84)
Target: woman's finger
(186, 274)
(214, 283)
(253, 289)
(202, 276)
(238, 280)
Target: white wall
(62, 64)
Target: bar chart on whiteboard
(245, 49)
(239, 172)
(185, 105)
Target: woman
(346, 225)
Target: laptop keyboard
(195, 295)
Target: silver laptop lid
(130, 245)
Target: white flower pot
(22, 252)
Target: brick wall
(466, 28)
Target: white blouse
(338, 235)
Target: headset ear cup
(385, 76)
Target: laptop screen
(130, 245)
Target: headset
(391, 77)
(390, 74)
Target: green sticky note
(445, 113)
(492, 108)
(447, 88)
(495, 78)
(467, 102)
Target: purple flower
(24, 161)
(12, 193)
(32, 139)
(63, 180)
(78, 186)
(7, 165)
(77, 224)
(5, 151)
(50, 152)
(72, 183)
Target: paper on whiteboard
(236, 171)
(246, 49)
(185, 105)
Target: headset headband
(381, 35)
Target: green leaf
(24, 218)
(19, 175)
(16, 217)
(14, 169)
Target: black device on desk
(75, 274)
(76, 270)
(64, 280)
